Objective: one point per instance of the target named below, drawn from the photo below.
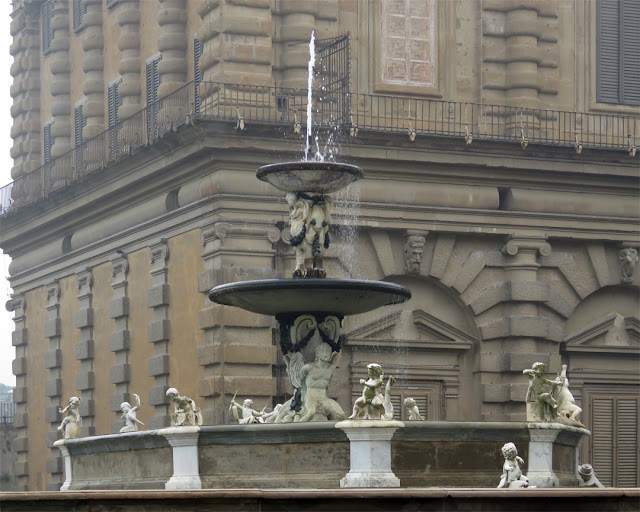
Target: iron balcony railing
(333, 111)
(7, 412)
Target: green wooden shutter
(197, 73)
(114, 103)
(630, 53)
(614, 428)
(47, 32)
(78, 14)
(608, 51)
(47, 146)
(79, 123)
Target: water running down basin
(318, 177)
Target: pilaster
(25, 91)
(159, 334)
(234, 338)
(119, 342)
(85, 351)
(60, 67)
(522, 336)
(92, 39)
(53, 386)
(128, 15)
(19, 339)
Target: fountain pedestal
(370, 453)
(186, 471)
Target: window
(79, 10)
(79, 123)
(408, 40)
(618, 47)
(197, 74)
(47, 32)
(113, 98)
(614, 439)
(47, 146)
(153, 83)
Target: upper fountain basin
(319, 177)
(337, 296)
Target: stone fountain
(309, 307)
(311, 443)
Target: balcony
(350, 114)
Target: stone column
(522, 337)
(19, 339)
(85, 381)
(53, 387)
(128, 15)
(159, 334)
(173, 45)
(60, 67)
(232, 337)
(119, 373)
(25, 91)
(92, 39)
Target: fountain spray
(312, 63)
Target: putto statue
(72, 423)
(372, 404)
(588, 477)
(512, 477)
(245, 414)
(310, 217)
(130, 416)
(541, 404)
(186, 413)
(567, 409)
(412, 408)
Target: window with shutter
(47, 32)
(197, 74)
(79, 10)
(618, 47)
(47, 146)
(79, 123)
(113, 99)
(614, 440)
(153, 83)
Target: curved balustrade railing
(349, 113)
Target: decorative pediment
(433, 328)
(377, 328)
(611, 333)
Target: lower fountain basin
(337, 296)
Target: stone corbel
(413, 248)
(18, 305)
(159, 252)
(52, 294)
(628, 256)
(84, 282)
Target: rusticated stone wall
(173, 45)
(92, 64)
(130, 89)
(25, 91)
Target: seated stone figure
(186, 413)
(373, 404)
(541, 405)
(512, 477)
(568, 411)
(72, 423)
(245, 414)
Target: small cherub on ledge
(130, 416)
(541, 406)
(512, 477)
(412, 408)
(245, 414)
(373, 404)
(72, 423)
(186, 413)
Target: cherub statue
(72, 423)
(546, 406)
(245, 414)
(371, 405)
(414, 412)
(512, 477)
(186, 413)
(130, 416)
(310, 218)
(567, 409)
(588, 477)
